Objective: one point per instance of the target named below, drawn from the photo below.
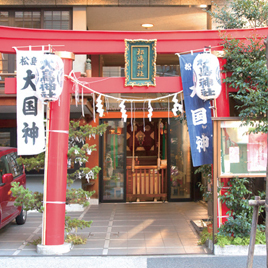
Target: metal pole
(253, 234)
(266, 198)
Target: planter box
(239, 250)
(74, 208)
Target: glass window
(5, 139)
(242, 154)
(3, 67)
(168, 70)
(14, 167)
(57, 20)
(113, 161)
(53, 19)
(3, 167)
(4, 20)
(28, 19)
(180, 162)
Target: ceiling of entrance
(132, 18)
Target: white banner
(30, 111)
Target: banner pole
(45, 177)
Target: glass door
(112, 159)
(180, 161)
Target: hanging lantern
(207, 79)
(49, 77)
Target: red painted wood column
(222, 110)
(55, 184)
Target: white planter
(74, 208)
(239, 250)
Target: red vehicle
(10, 171)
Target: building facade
(141, 160)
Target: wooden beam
(105, 42)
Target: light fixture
(147, 25)
(203, 6)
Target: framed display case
(239, 154)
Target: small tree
(246, 66)
(78, 153)
(239, 14)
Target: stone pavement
(143, 235)
(119, 229)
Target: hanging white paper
(150, 110)
(30, 111)
(123, 110)
(100, 106)
(176, 106)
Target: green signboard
(140, 62)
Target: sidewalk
(181, 261)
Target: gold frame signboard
(140, 62)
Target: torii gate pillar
(56, 177)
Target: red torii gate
(103, 42)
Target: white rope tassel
(123, 110)
(150, 110)
(99, 106)
(94, 115)
(176, 106)
(144, 116)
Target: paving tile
(118, 252)
(95, 229)
(156, 251)
(93, 252)
(189, 235)
(169, 235)
(172, 243)
(13, 238)
(125, 229)
(136, 243)
(167, 229)
(100, 223)
(175, 250)
(139, 236)
(28, 253)
(137, 229)
(154, 243)
(194, 249)
(96, 235)
(137, 251)
(76, 252)
(153, 235)
(10, 245)
(6, 252)
(118, 243)
(91, 244)
(120, 236)
(192, 242)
